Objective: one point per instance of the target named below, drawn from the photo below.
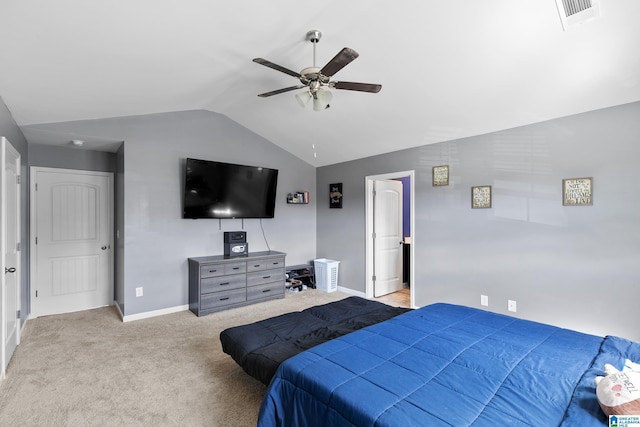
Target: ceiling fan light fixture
(322, 99)
(303, 98)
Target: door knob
(104, 248)
(9, 270)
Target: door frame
(33, 267)
(5, 146)
(369, 228)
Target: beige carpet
(90, 369)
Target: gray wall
(71, 158)
(156, 240)
(10, 130)
(577, 267)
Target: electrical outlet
(484, 300)
(511, 305)
(139, 292)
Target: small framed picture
(440, 175)
(577, 192)
(481, 197)
(335, 196)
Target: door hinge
(18, 314)
(36, 240)
(18, 247)
(373, 278)
(36, 293)
(17, 179)
(373, 235)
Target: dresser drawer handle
(225, 283)
(276, 263)
(266, 290)
(266, 277)
(212, 271)
(236, 268)
(256, 265)
(224, 299)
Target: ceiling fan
(318, 80)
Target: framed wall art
(440, 175)
(335, 196)
(577, 191)
(481, 197)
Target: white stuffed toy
(619, 392)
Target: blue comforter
(446, 365)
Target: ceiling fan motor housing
(310, 75)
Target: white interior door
(71, 249)
(10, 219)
(387, 242)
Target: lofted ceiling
(448, 69)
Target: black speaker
(235, 236)
(236, 249)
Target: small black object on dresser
(220, 282)
(235, 243)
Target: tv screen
(224, 190)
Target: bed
(446, 365)
(260, 347)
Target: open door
(387, 237)
(10, 248)
(384, 247)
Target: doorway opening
(373, 244)
(71, 240)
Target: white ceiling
(448, 69)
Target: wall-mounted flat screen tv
(224, 190)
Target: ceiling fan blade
(362, 87)
(342, 59)
(275, 92)
(277, 67)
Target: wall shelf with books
(298, 198)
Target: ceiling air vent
(574, 12)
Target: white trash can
(326, 271)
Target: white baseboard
(23, 324)
(352, 292)
(118, 307)
(154, 313)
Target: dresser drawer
(265, 264)
(256, 265)
(220, 299)
(274, 289)
(275, 263)
(235, 268)
(211, 270)
(222, 283)
(266, 276)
